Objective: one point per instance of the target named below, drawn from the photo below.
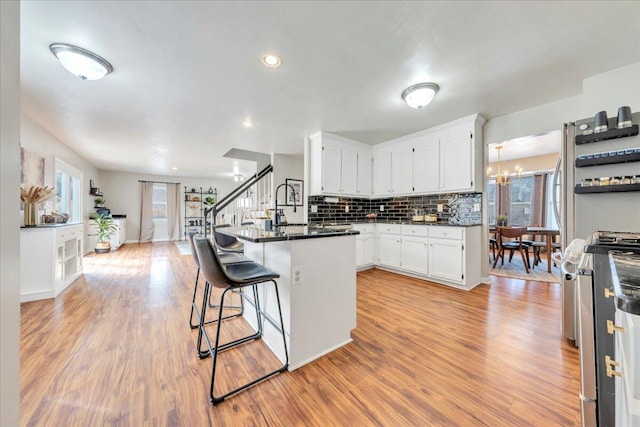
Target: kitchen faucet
(278, 217)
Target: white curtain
(146, 213)
(173, 211)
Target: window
(513, 200)
(159, 202)
(68, 190)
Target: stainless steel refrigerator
(596, 181)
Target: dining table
(548, 233)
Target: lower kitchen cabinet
(415, 254)
(444, 254)
(446, 259)
(365, 245)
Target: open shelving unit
(194, 206)
(607, 188)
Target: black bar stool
(228, 278)
(225, 242)
(226, 258)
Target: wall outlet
(314, 208)
(346, 208)
(381, 208)
(440, 207)
(296, 280)
(476, 207)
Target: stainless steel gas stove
(596, 315)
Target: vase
(30, 214)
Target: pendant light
(81, 62)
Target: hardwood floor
(116, 349)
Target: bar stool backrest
(210, 264)
(192, 235)
(223, 240)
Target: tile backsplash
(457, 208)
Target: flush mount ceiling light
(271, 60)
(248, 123)
(81, 62)
(420, 95)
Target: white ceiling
(187, 73)
(528, 146)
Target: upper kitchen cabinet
(339, 166)
(447, 158)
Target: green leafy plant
(99, 201)
(501, 219)
(106, 227)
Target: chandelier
(504, 178)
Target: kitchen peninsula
(317, 287)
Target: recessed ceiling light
(174, 168)
(420, 95)
(271, 60)
(248, 123)
(81, 62)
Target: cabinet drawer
(415, 230)
(365, 228)
(389, 228)
(446, 232)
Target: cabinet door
(364, 174)
(426, 165)
(382, 172)
(415, 255)
(349, 171)
(401, 165)
(389, 250)
(456, 160)
(369, 249)
(331, 169)
(446, 259)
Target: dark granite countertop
(290, 232)
(625, 271)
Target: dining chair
(538, 246)
(516, 244)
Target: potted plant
(106, 229)
(501, 220)
(99, 202)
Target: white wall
(123, 194)
(610, 90)
(289, 167)
(528, 164)
(35, 138)
(9, 212)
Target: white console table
(50, 259)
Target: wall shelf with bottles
(609, 157)
(606, 135)
(607, 188)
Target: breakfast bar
(317, 287)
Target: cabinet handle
(609, 293)
(611, 327)
(610, 363)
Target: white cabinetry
(338, 166)
(437, 253)
(365, 245)
(389, 245)
(50, 260)
(446, 254)
(447, 158)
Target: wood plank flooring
(115, 349)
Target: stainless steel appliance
(610, 159)
(596, 314)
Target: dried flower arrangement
(36, 194)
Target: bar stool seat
(232, 277)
